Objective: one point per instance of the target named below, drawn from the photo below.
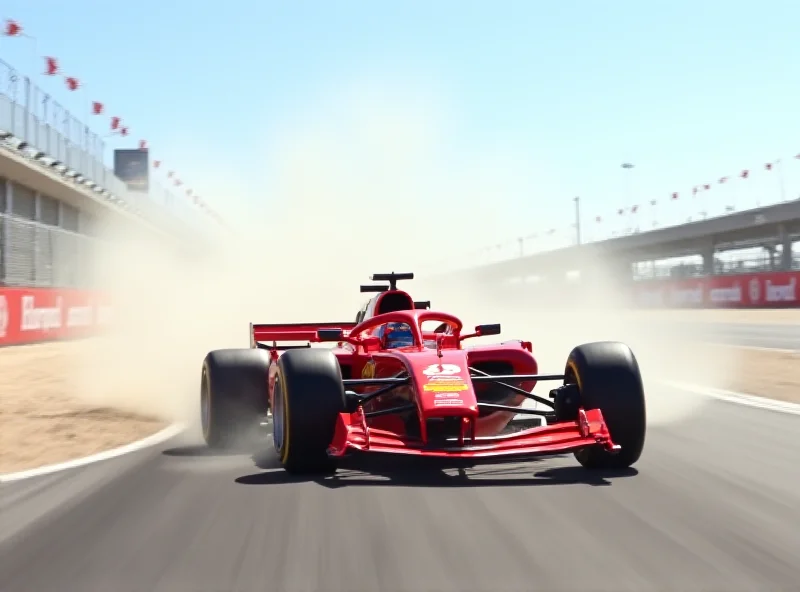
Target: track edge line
(163, 435)
(738, 398)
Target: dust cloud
(354, 188)
(349, 194)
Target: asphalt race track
(713, 505)
(773, 336)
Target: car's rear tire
(308, 398)
(234, 393)
(608, 378)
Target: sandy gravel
(761, 372)
(42, 419)
(771, 374)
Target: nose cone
(444, 387)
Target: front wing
(353, 434)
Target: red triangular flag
(12, 28)
(50, 66)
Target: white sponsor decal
(730, 294)
(80, 316)
(784, 293)
(687, 295)
(755, 290)
(43, 318)
(723, 291)
(441, 369)
(447, 402)
(40, 319)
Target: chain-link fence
(43, 242)
(38, 255)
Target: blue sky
(532, 102)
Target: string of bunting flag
(561, 236)
(117, 126)
(774, 166)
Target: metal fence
(38, 255)
(34, 116)
(752, 262)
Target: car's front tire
(608, 378)
(308, 398)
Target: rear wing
(291, 332)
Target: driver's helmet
(396, 335)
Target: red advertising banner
(756, 290)
(29, 315)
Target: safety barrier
(30, 315)
(777, 289)
(38, 255)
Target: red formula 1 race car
(399, 380)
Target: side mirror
(484, 330)
(325, 335)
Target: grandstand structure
(55, 188)
(756, 240)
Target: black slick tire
(608, 378)
(308, 398)
(234, 393)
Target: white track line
(157, 438)
(739, 398)
(777, 350)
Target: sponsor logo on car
(441, 384)
(441, 369)
(447, 402)
(435, 387)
